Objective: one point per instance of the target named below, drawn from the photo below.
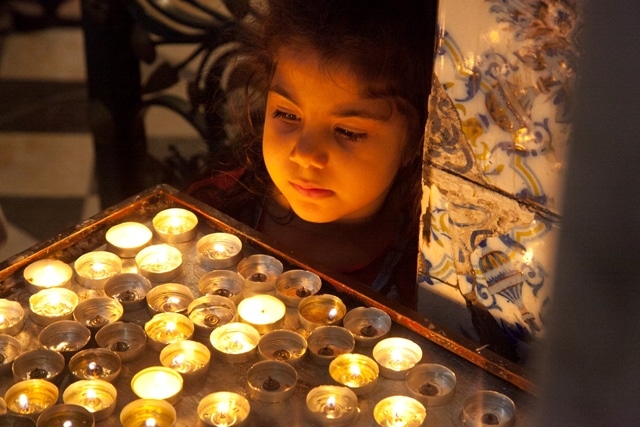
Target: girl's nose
(309, 151)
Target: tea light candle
(263, 312)
(167, 328)
(158, 382)
(47, 273)
(66, 415)
(129, 289)
(148, 413)
(94, 268)
(396, 356)
(31, 397)
(488, 408)
(259, 272)
(431, 384)
(97, 312)
(11, 317)
(328, 342)
(224, 283)
(223, 409)
(42, 364)
(128, 238)
(217, 251)
(65, 336)
(95, 364)
(10, 349)
(332, 406)
(282, 345)
(50, 305)
(293, 285)
(235, 342)
(271, 381)
(209, 312)
(399, 411)
(169, 298)
(368, 324)
(96, 396)
(189, 358)
(175, 225)
(320, 310)
(125, 338)
(356, 371)
(159, 263)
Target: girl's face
(331, 152)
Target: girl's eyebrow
(364, 113)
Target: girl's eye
(289, 117)
(349, 135)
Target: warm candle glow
(175, 225)
(157, 383)
(48, 273)
(331, 316)
(127, 238)
(23, 403)
(399, 411)
(150, 422)
(264, 312)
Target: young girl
(331, 166)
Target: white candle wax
(264, 312)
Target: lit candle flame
(150, 422)
(354, 372)
(23, 402)
(171, 326)
(2, 320)
(177, 361)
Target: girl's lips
(308, 190)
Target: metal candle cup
(263, 312)
(431, 384)
(189, 358)
(65, 336)
(399, 411)
(10, 349)
(159, 263)
(294, 285)
(356, 371)
(169, 298)
(327, 342)
(175, 225)
(223, 409)
(128, 238)
(127, 339)
(148, 412)
(50, 305)
(368, 324)
(158, 382)
(40, 364)
(96, 396)
(396, 356)
(31, 397)
(64, 415)
(271, 381)
(210, 312)
(129, 289)
(11, 317)
(217, 251)
(47, 273)
(98, 312)
(260, 273)
(224, 283)
(94, 268)
(235, 342)
(332, 406)
(167, 328)
(282, 345)
(486, 408)
(321, 310)
(95, 364)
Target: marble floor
(46, 150)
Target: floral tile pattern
(494, 165)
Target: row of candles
(233, 328)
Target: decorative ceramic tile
(494, 164)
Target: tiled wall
(494, 165)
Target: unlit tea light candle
(159, 263)
(128, 238)
(47, 273)
(175, 225)
(263, 312)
